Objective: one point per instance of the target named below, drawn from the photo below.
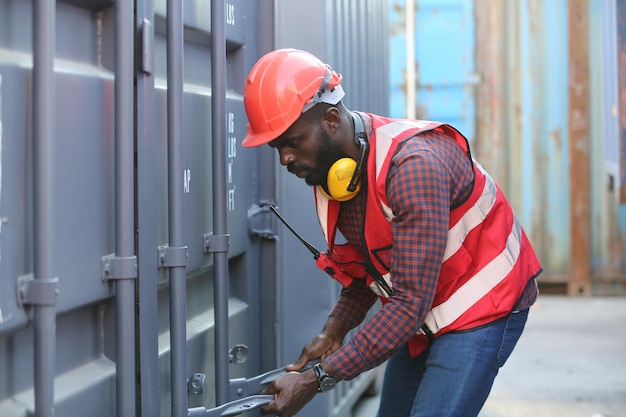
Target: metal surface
(490, 142)
(175, 163)
(548, 132)
(233, 408)
(150, 385)
(522, 120)
(124, 208)
(621, 59)
(446, 81)
(220, 258)
(43, 148)
(579, 282)
(425, 82)
(352, 38)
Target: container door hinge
(38, 292)
(147, 47)
(215, 243)
(261, 221)
(173, 257)
(118, 267)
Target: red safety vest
(478, 283)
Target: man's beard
(328, 153)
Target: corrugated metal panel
(529, 105)
(522, 122)
(607, 228)
(82, 208)
(522, 117)
(352, 38)
(539, 187)
(398, 50)
(85, 196)
(578, 112)
(621, 59)
(444, 54)
(441, 76)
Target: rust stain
(579, 282)
(397, 26)
(621, 42)
(555, 136)
(542, 240)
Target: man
(427, 230)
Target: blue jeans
(453, 376)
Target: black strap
(429, 333)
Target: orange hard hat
(281, 86)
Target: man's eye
(292, 143)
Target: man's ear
(332, 118)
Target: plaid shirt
(429, 175)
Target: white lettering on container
(187, 180)
(230, 14)
(231, 150)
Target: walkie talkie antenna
(315, 252)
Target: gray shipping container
(138, 256)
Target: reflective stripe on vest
(480, 285)
(385, 136)
(472, 217)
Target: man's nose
(285, 157)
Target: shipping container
(537, 86)
(142, 273)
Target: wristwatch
(326, 382)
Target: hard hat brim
(251, 140)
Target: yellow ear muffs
(339, 177)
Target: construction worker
(428, 233)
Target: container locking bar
(242, 387)
(232, 408)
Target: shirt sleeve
(353, 303)
(421, 188)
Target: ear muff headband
(344, 176)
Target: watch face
(327, 384)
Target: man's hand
(292, 391)
(322, 345)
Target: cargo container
(537, 86)
(142, 273)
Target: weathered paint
(621, 48)
(607, 231)
(444, 55)
(523, 133)
(490, 141)
(425, 82)
(398, 106)
(579, 281)
(530, 89)
(536, 127)
(545, 106)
